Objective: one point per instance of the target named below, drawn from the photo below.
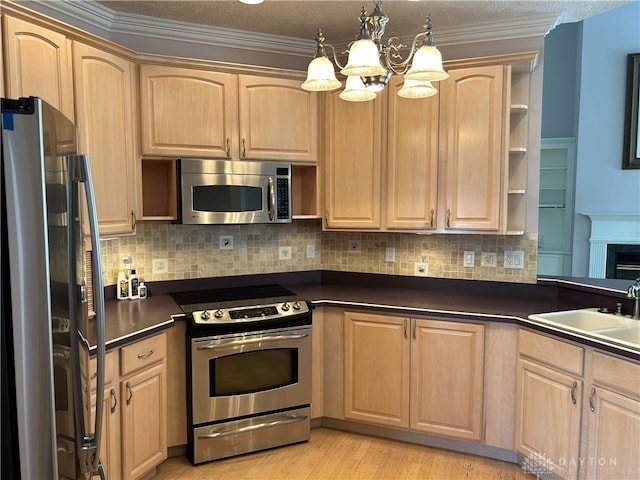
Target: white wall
(601, 184)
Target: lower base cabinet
(563, 391)
(134, 425)
(422, 374)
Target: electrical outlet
(488, 259)
(226, 242)
(159, 265)
(468, 260)
(514, 259)
(354, 246)
(285, 253)
(311, 251)
(390, 255)
(421, 269)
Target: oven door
(247, 374)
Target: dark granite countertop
(453, 299)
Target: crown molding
(114, 23)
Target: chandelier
(371, 62)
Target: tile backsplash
(193, 251)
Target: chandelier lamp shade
(371, 62)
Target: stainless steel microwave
(234, 191)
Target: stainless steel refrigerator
(48, 337)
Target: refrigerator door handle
(90, 458)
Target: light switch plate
(311, 250)
(468, 259)
(390, 255)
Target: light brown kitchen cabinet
(38, 63)
(376, 369)
(411, 160)
(143, 394)
(421, 374)
(196, 112)
(472, 148)
(278, 120)
(105, 120)
(548, 403)
(353, 182)
(613, 418)
(447, 371)
(188, 112)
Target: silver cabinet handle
(146, 354)
(574, 387)
(244, 148)
(592, 397)
(280, 421)
(115, 400)
(228, 147)
(129, 393)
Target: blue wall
(584, 97)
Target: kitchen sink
(618, 329)
(588, 319)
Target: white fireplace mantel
(610, 228)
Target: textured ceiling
(339, 18)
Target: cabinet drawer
(109, 369)
(143, 353)
(615, 372)
(555, 353)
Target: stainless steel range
(249, 370)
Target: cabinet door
(38, 63)
(548, 405)
(188, 112)
(105, 120)
(613, 435)
(144, 413)
(110, 438)
(376, 375)
(278, 120)
(412, 160)
(353, 164)
(473, 147)
(447, 365)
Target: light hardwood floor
(333, 454)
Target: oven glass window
(227, 198)
(252, 372)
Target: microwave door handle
(271, 199)
(92, 442)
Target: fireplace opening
(623, 261)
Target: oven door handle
(249, 428)
(245, 341)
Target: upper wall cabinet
(38, 63)
(105, 121)
(471, 126)
(188, 112)
(193, 112)
(278, 120)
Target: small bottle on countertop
(122, 286)
(142, 290)
(134, 285)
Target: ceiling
(339, 18)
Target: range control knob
(205, 315)
(285, 307)
(297, 306)
(218, 314)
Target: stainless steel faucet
(634, 292)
